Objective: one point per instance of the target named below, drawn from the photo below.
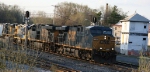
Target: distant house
(134, 34)
(117, 32)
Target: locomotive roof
(98, 27)
(62, 28)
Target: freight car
(89, 43)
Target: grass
(144, 64)
(17, 55)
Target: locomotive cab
(102, 43)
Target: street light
(54, 12)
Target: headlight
(100, 48)
(112, 48)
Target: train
(94, 42)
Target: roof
(136, 18)
(89, 27)
(118, 24)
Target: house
(117, 32)
(134, 34)
(149, 36)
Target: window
(106, 32)
(115, 28)
(115, 34)
(96, 31)
(130, 42)
(144, 38)
(125, 26)
(144, 26)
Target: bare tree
(72, 14)
(41, 18)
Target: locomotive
(89, 43)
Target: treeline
(41, 17)
(72, 13)
(66, 13)
(10, 14)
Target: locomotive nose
(103, 43)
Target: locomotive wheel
(50, 48)
(72, 52)
(76, 53)
(15, 41)
(53, 48)
(82, 55)
(88, 56)
(64, 51)
(57, 50)
(47, 47)
(61, 50)
(68, 51)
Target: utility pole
(26, 26)
(54, 13)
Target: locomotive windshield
(99, 32)
(96, 31)
(107, 32)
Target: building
(117, 32)
(134, 34)
(149, 36)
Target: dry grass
(54, 68)
(16, 56)
(144, 64)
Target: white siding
(125, 26)
(137, 41)
(138, 27)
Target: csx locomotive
(89, 43)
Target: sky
(130, 6)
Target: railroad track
(46, 64)
(119, 66)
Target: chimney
(106, 9)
